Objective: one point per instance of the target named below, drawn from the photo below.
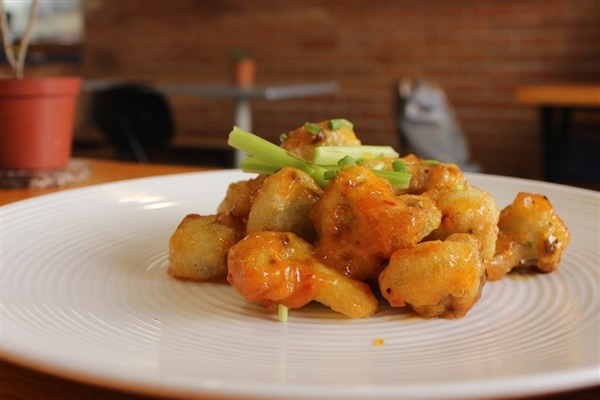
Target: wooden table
(17, 382)
(556, 103)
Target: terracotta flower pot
(36, 122)
(245, 72)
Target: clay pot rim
(57, 85)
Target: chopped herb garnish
(283, 137)
(399, 166)
(346, 162)
(431, 162)
(334, 124)
(313, 128)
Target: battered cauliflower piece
(302, 142)
(238, 199)
(360, 222)
(273, 268)
(436, 279)
(531, 235)
(427, 175)
(467, 209)
(283, 202)
(198, 247)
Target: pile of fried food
(285, 237)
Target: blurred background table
(241, 95)
(556, 103)
(18, 382)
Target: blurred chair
(427, 126)
(136, 119)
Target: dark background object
(135, 118)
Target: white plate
(86, 296)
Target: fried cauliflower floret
(467, 210)
(436, 279)
(273, 268)
(198, 247)
(238, 199)
(283, 202)
(360, 222)
(302, 142)
(531, 235)
(427, 175)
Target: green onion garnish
(399, 180)
(431, 162)
(282, 313)
(272, 154)
(346, 162)
(330, 155)
(265, 150)
(313, 128)
(266, 158)
(253, 165)
(399, 166)
(283, 137)
(334, 124)
(339, 122)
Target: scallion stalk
(399, 180)
(266, 151)
(272, 154)
(255, 166)
(282, 313)
(330, 155)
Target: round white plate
(86, 296)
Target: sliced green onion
(282, 313)
(313, 128)
(334, 123)
(338, 122)
(399, 180)
(399, 166)
(431, 162)
(346, 162)
(330, 155)
(283, 137)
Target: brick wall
(478, 51)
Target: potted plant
(36, 114)
(244, 67)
